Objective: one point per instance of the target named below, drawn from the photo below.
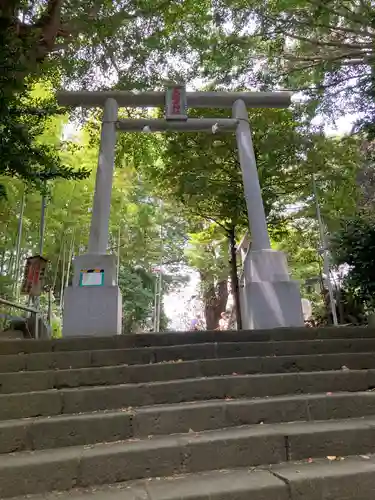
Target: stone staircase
(268, 415)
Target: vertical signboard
(176, 103)
(33, 276)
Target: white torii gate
(270, 299)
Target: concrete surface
(109, 417)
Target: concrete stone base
(272, 305)
(269, 299)
(92, 311)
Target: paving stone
(115, 462)
(278, 409)
(58, 360)
(30, 404)
(350, 479)
(14, 436)
(26, 381)
(185, 352)
(22, 474)
(334, 438)
(220, 485)
(114, 357)
(12, 363)
(80, 430)
(102, 398)
(104, 375)
(341, 406)
(179, 419)
(233, 448)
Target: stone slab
(220, 485)
(32, 404)
(239, 484)
(348, 479)
(86, 399)
(92, 311)
(75, 430)
(167, 339)
(25, 473)
(32, 472)
(119, 374)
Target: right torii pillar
(270, 299)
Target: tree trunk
(215, 300)
(234, 276)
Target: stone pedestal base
(93, 310)
(269, 299)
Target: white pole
(323, 240)
(104, 177)
(253, 194)
(18, 244)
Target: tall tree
(326, 49)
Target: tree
(31, 131)
(326, 49)
(135, 234)
(353, 245)
(125, 44)
(207, 252)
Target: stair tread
(185, 439)
(286, 481)
(166, 407)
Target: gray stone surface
(146, 340)
(220, 485)
(13, 436)
(244, 399)
(233, 448)
(12, 363)
(115, 462)
(79, 430)
(350, 479)
(335, 438)
(86, 399)
(26, 473)
(30, 404)
(26, 381)
(119, 374)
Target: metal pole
(253, 194)
(118, 250)
(104, 178)
(18, 244)
(325, 253)
(42, 224)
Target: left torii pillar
(93, 303)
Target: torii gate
(93, 305)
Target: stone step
(185, 352)
(352, 477)
(89, 428)
(27, 381)
(171, 338)
(64, 468)
(87, 399)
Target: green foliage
(137, 288)
(25, 114)
(325, 49)
(354, 245)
